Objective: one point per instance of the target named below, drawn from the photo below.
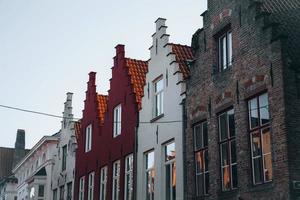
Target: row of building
(215, 120)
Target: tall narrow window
(116, 180)
(64, 158)
(170, 171)
(260, 135)
(201, 158)
(62, 193)
(103, 183)
(88, 138)
(158, 97)
(150, 175)
(54, 194)
(117, 120)
(129, 177)
(69, 191)
(225, 51)
(41, 192)
(91, 186)
(81, 188)
(227, 143)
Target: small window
(158, 97)
(150, 175)
(69, 191)
(41, 191)
(170, 171)
(88, 138)
(260, 135)
(103, 183)
(64, 157)
(81, 188)
(91, 186)
(201, 158)
(225, 51)
(62, 193)
(129, 177)
(116, 180)
(227, 142)
(117, 120)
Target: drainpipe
(135, 157)
(184, 125)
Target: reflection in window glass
(170, 171)
(150, 175)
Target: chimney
(19, 146)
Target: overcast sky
(48, 47)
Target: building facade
(105, 156)
(64, 159)
(242, 136)
(160, 154)
(34, 172)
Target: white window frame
(91, 186)
(88, 138)
(117, 120)
(128, 193)
(116, 180)
(150, 170)
(170, 163)
(81, 188)
(158, 97)
(225, 50)
(103, 183)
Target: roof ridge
(136, 59)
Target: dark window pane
(257, 170)
(264, 109)
(41, 191)
(168, 182)
(198, 137)
(200, 185)
(233, 151)
(224, 155)
(256, 146)
(223, 126)
(206, 160)
(205, 134)
(234, 176)
(231, 122)
(206, 183)
(253, 113)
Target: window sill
(157, 118)
(228, 194)
(262, 186)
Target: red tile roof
(182, 54)
(102, 102)
(77, 127)
(137, 71)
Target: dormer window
(225, 50)
(88, 138)
(117, 120)
(158, 96)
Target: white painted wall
(159, 64)
(8, 191)
(67, 137)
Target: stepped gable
(182, 54)
(137, 71)
(102, 102)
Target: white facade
(64, 159)
(156, 136)
(34, 171)
(8, 189)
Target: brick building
(105, 156)
(243, 102)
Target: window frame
(203, 149)
(62, 192)
(259, 130)
(103, 182)
(151, 170)
(69, 191)
(54, 197)
(158, 96)
(88, 138)
(128, 183)
(81, 188)
(226, 34)
(117, 120)
(172, 164)
(91, 183)
(116, 180)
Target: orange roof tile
(102, 102)
(182, 54)
(137, 72)
(77, 127)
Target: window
(129, 177)
(103, 183)
(227, 144)
(62, 193)
(201, 158)
(225, 51)
(88, 138)
(91, 186)
(116, 180)
(150, 175)
(170, 171)
(41, 191)
(64, 157)
(117, 120)
(158, 97)
(260, 136)
(69, 191)
(55, 194)
(81, 188)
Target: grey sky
(48, 47)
